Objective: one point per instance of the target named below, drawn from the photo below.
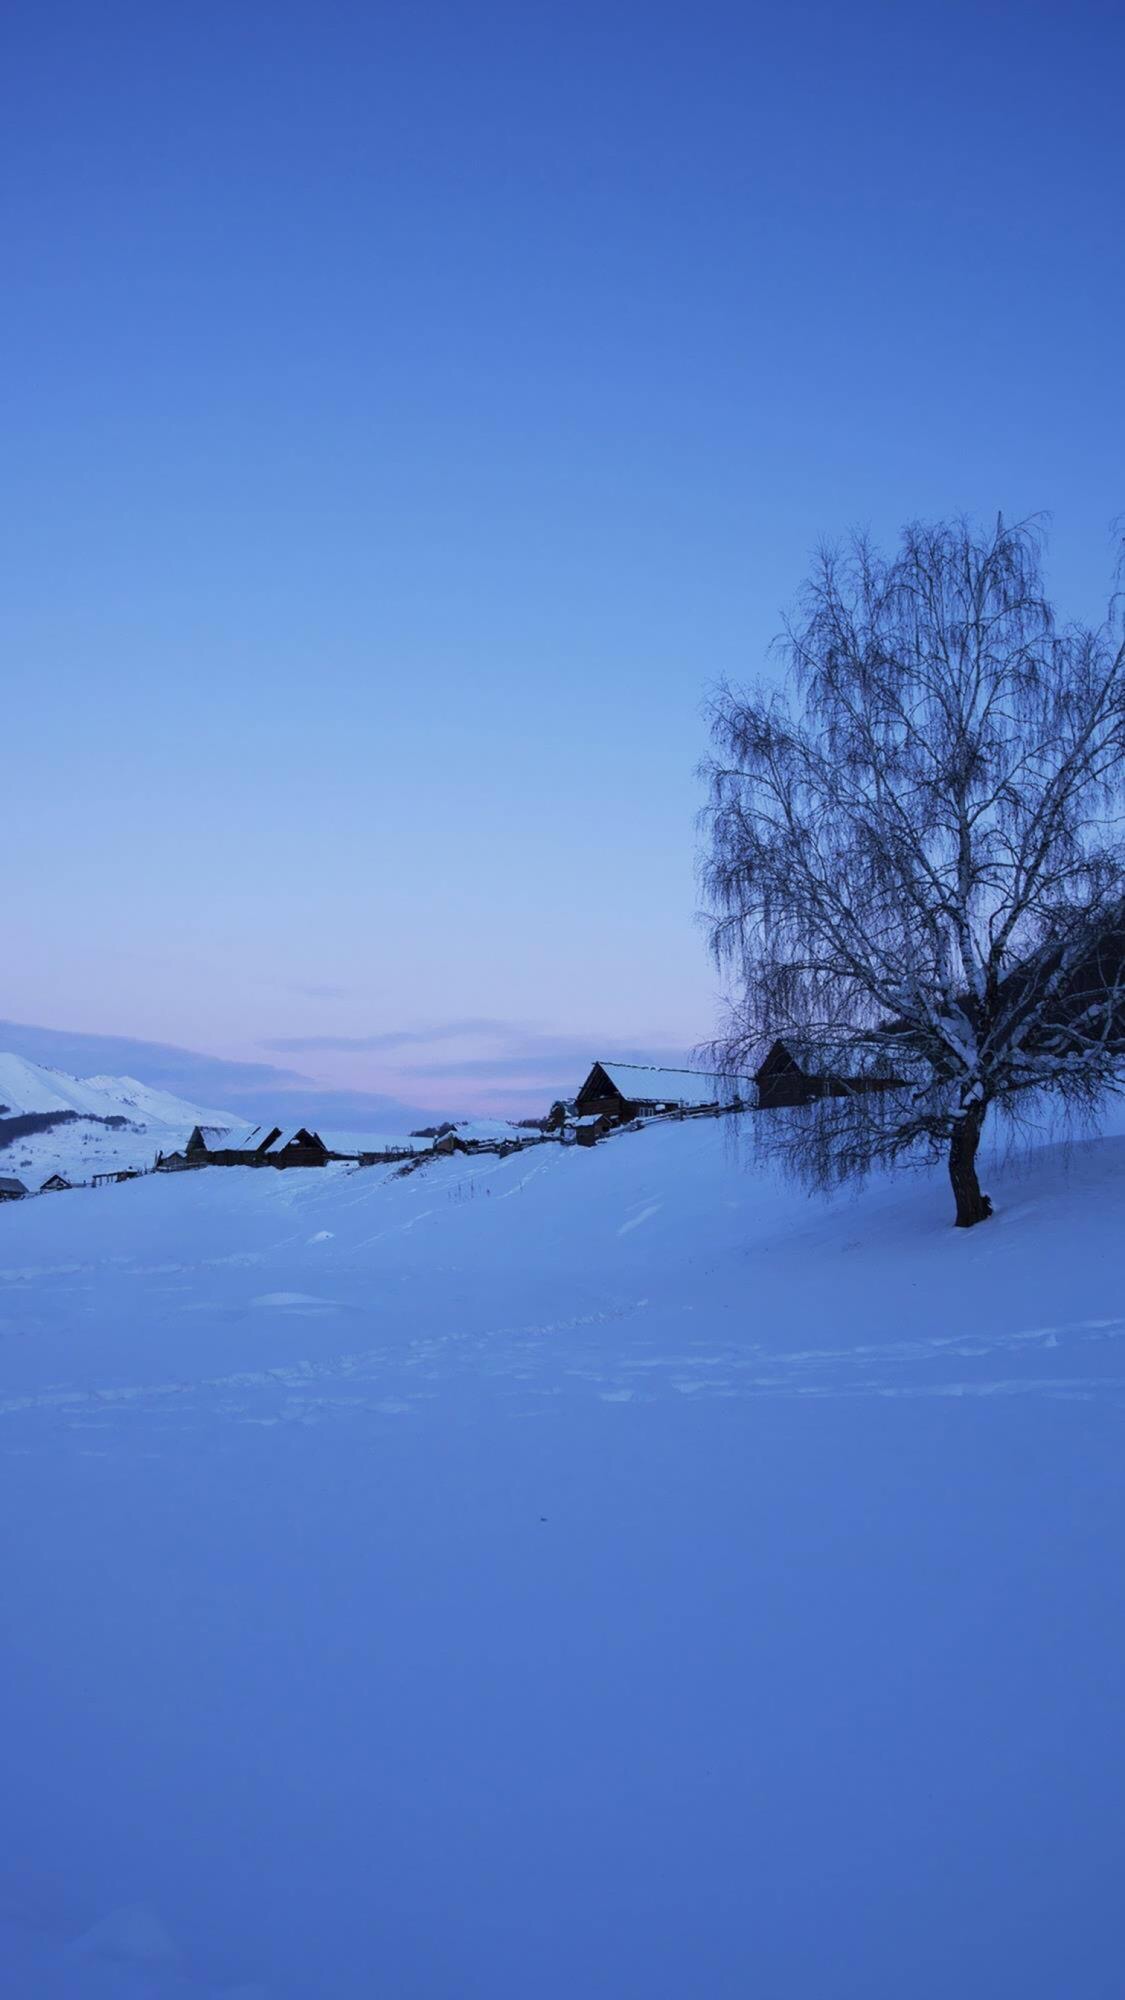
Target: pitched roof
(1095, 981)
(258, 1140)
(813, 1056)
(644, 1083)
(304, 1138)
(10, 1185)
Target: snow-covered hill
(598, 1572)
(144, 1119)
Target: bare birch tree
(915, 859)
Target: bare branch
(916, 854)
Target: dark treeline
(27, 1123)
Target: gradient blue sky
(409, 411)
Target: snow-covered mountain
(96, 1123)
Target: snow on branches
(915, 849)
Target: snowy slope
(596, 1572)
(156, 1107)
(155, 1119)
(28, 1086)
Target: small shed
(54, 1184)
(449, 1143)
(623, 1091)
(587, 1131)
(11, 1189)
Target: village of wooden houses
(614, 1098)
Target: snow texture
(596, 1572)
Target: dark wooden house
(304, 1149)
(54, 1184)
(253, 1150)
(11, 1189)
(798, 1073)
(1065, 1011)
(623, 1091)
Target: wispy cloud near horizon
(494, 1049)
(386, 1040)
(505, 1068)
(479, 1061)
(214, 1083)
(547, 1066)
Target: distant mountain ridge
(29, 1086)
(246, 1092)
(52, 1122)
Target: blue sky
(409, 412)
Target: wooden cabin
(623, 1091)
(11, 1189)
(304, 1149)
(54, 1184)
(799, 1071)
(253, 1150)
(309, 1149)
(796, 1072)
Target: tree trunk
(972, 1205)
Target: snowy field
(598, 1573)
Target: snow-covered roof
(643, 1083)
(232, 1138)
